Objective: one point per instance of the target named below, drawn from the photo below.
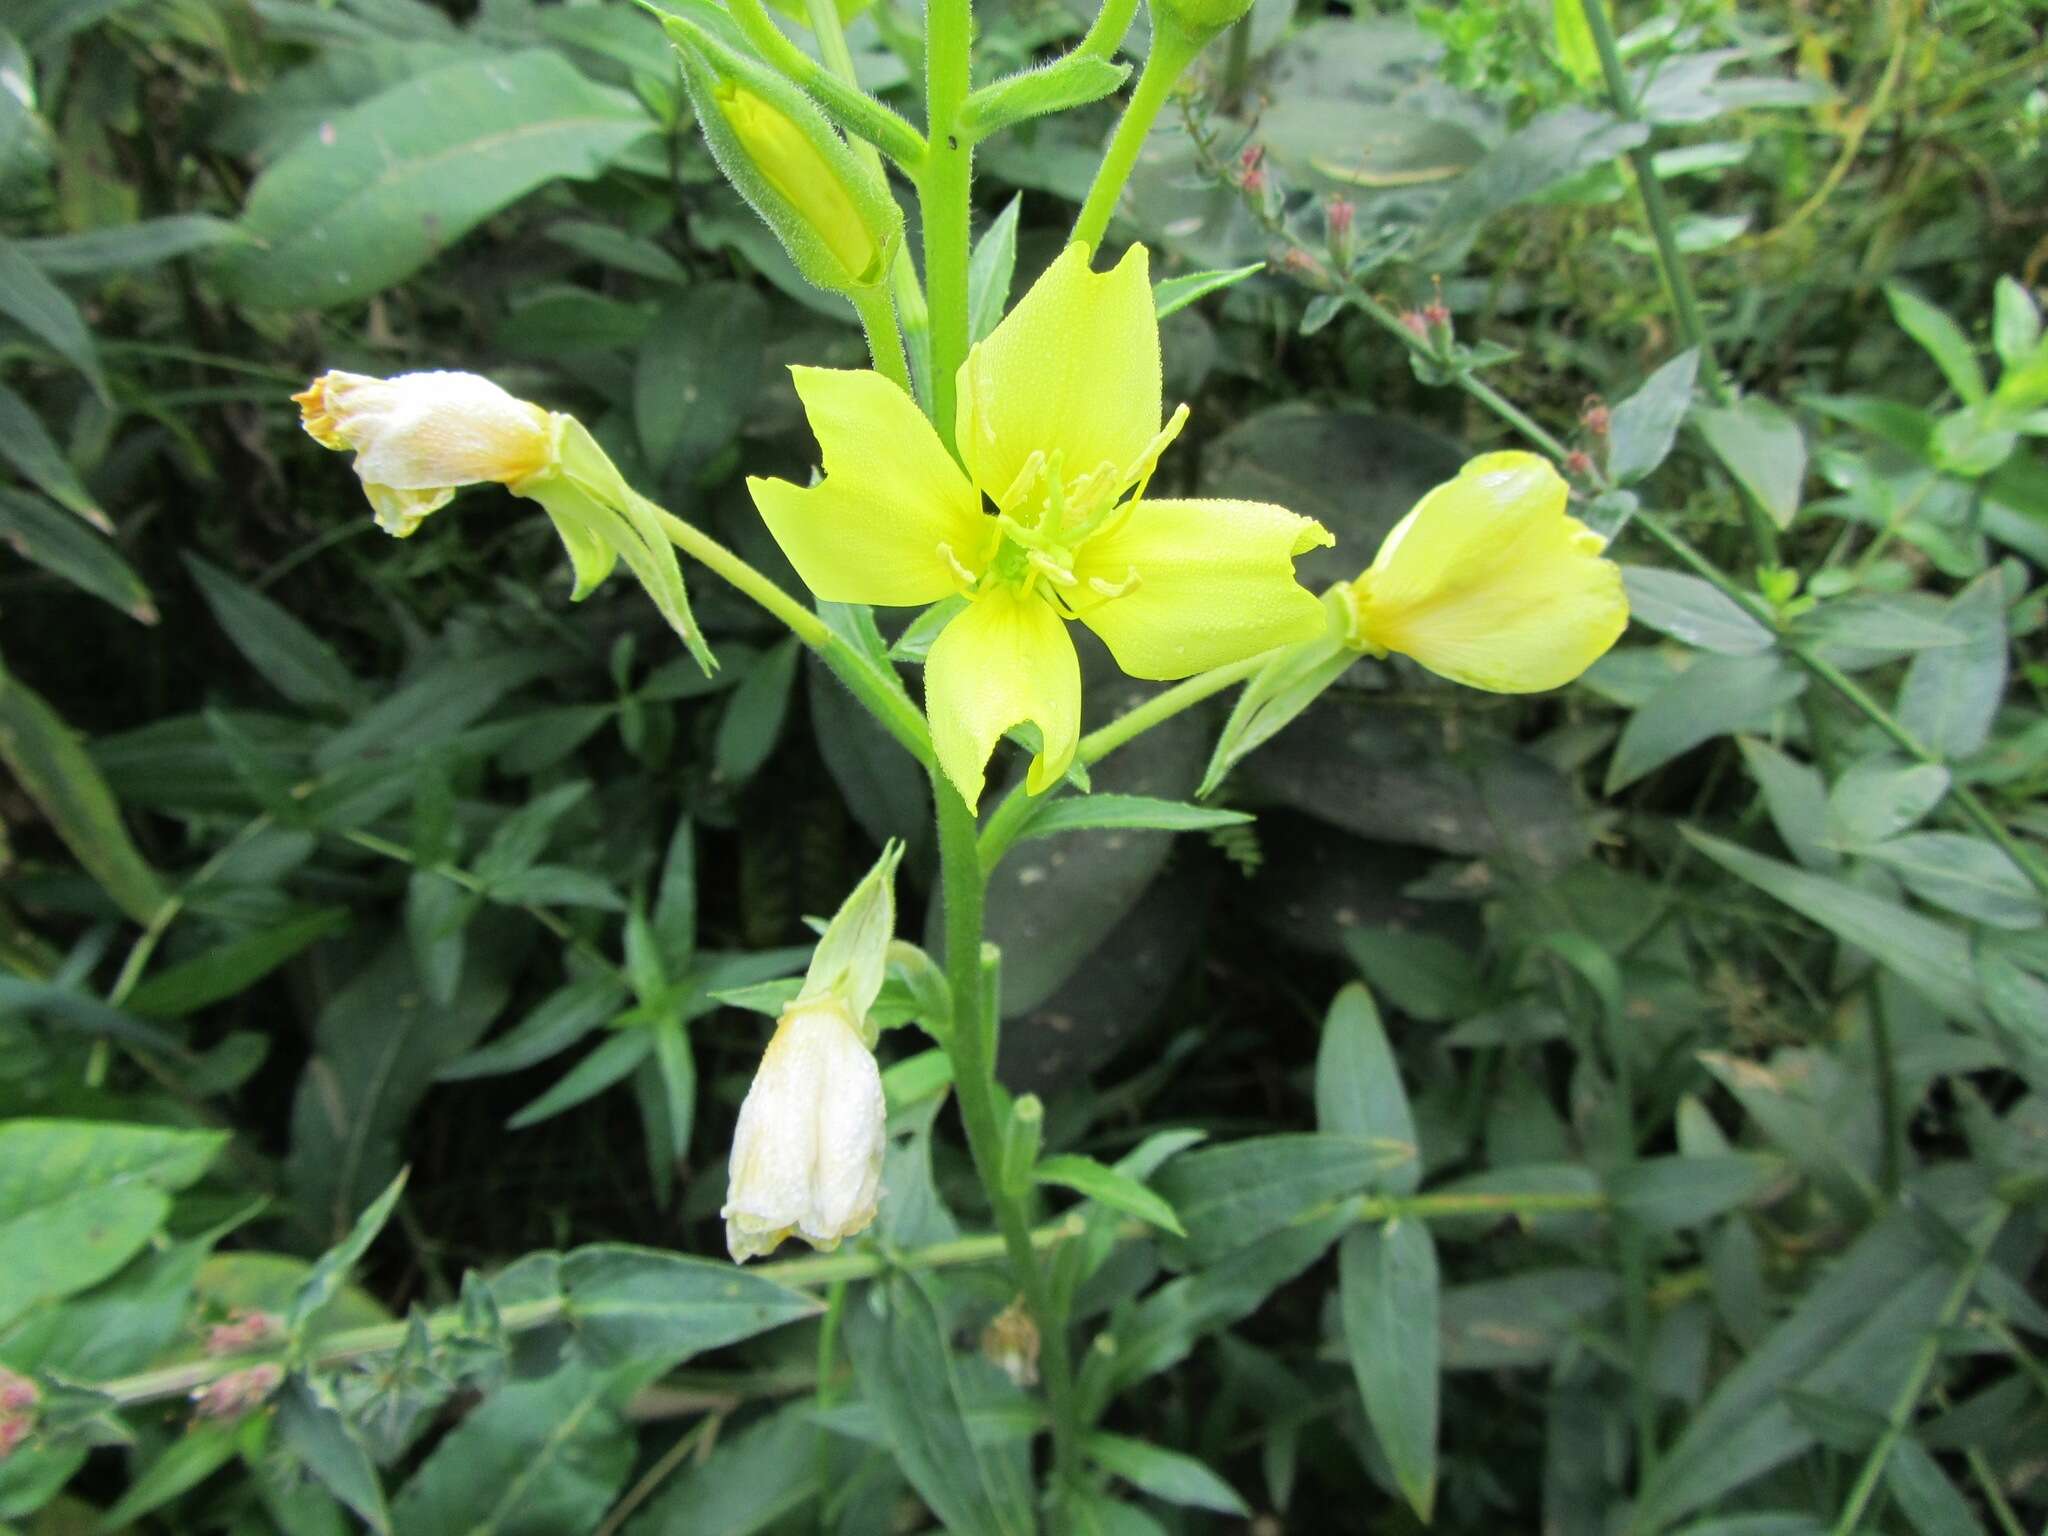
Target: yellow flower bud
(419, 436)
(1490, 583)
(807, 1153)
(812, 186)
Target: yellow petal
(1005, 661)
(1488, 582)
(894, 517)
(1209, 582)
(1073, 370)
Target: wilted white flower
(419, 436)
(807, 1154)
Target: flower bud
(1198, 21)
(807, 1153)
(233, 1395)
(420, 436)
(831, 210)
(1490, 583)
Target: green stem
(1916, 1380)
(944, 181)
(971, 1045)
(1010, 816)
(1763, 533)
(1105, 35)
(1172, 51)
(901, 718)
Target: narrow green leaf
(59, 543)
(565, 1017)
(1165, 1474)
(1928, 956)
(332, 1269)
(184, 1463)
(1358, 1085)
(639, 1303)
(991, 270)
(1926, 1496)
(232, 967)
(1139, 812)
(1941, 338)
(53, 768)
(1390, 1294)
(1174, 294)
(1085, 1176)
(284, 652)
(1715, 696)
(321, 1438)
(1233, 1195)
(1951, 694)
(752, 722)
(1669, 1193)
(905, 1369)
(610, 1063)
(30, 449)
(41, 308)
(1963, 874)
(122, 247)
(1797, 798)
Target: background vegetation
(1694, 1020)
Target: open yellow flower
(420, 436)
(1491, 583)
(1059, 427)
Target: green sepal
(1294, 679)
(602, 519)
(710, 66)
(1073, 81)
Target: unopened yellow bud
(1491, 583)
(420, 436)
(812, 186)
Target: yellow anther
(1052, 569)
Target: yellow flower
(419, 436)
(1059, 427)
(811, 185)
(807, 1153)
(1490, 583)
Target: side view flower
(1059, 428)
(1491, 583)
(807, 1152)
(420, 437)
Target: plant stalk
(1172, 51)
(971, 1045)
(944, 181)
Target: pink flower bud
(242, 1331)
(1414, 322)
(1596, 418)
(16, 1392)
(1436, 315)
(1339, 214)
(1579, 462)
(232, 1395)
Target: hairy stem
(1172, 51)
(944, 180)
(971, 1044)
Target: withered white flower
(420, 436)
(807, 1155)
